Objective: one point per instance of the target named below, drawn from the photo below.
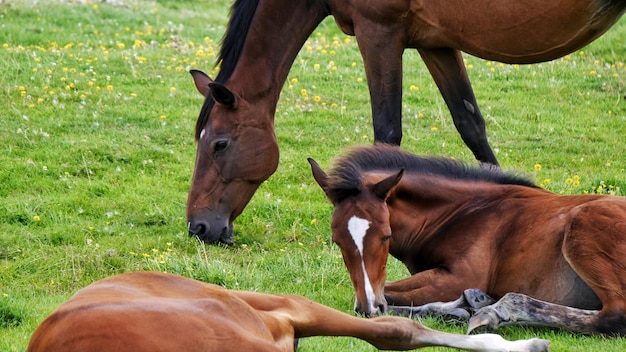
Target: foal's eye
(220, 145)
(386, 238)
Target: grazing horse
(237, 147)
(148, 311)
(457, 227)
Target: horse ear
(223, 95)
(382, 188)
(319, 175)
(202, 82)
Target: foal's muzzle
(378, 309)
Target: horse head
(237, 151)
(360, 227)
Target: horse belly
(553, 281)
(528, 257)
(569, 289)
(511, 31)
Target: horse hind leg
(516, 308)
(594, 245)
(448, 71)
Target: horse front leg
(433, 285)
(462, 308)
(382, 58)
(447, 69)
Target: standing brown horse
(456, 228)
(237, 146)
(150, 312)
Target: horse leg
(516, 308)
(460, 309)
(594, 247)
(447, 69)
(435, 285)
(308, 318)
(383, 68)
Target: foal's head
(360, 227)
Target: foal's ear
(382, 188)
(202, 82)
(223, 95)
(318, 174)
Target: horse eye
(386, 238)
(220, 145)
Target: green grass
(98, 151)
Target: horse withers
(554, 260)
(237, 147)
(149, 311)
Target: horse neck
(420, 205)
(278, 31)
(423, 190)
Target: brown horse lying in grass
(457, 227)
(148, 311)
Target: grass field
(98, 151)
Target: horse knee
(388, 136)
(612, 323)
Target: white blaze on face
(202, 133)
(358, 228)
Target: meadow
(98, 150)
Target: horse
(237, 146)
(150, 311)
(552, 260)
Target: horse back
(176, 313)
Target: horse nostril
(198, 228)
(359, 312)
(382, 308)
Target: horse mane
(346, 176)
(241, 14)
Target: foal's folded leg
(459, 309)
(455, 310)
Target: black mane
(241, 14)
(345, 177)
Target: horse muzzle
(378, 308)
(211, 229)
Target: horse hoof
(539, 345)
(482, 322)
(477, 299)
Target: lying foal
(147, 311)
(556, 261)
